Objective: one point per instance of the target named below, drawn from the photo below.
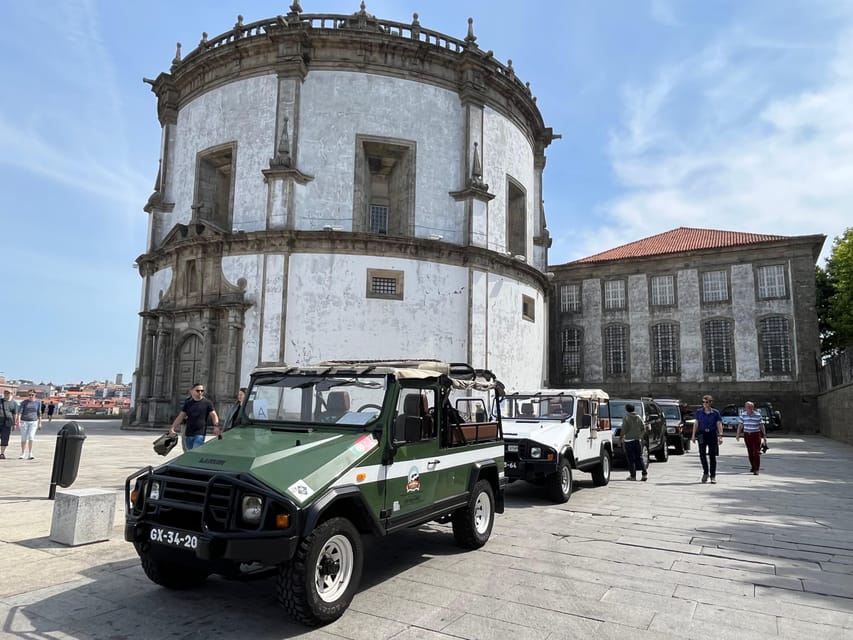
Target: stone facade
(668, 340)
(340, 187)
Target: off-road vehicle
(318, 456)
(651, 415)
(549, 432)
(678, 427)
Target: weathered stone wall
(834, 410)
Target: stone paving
(768, 556)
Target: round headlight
(154, 493)
(535, 452)
(253, 507)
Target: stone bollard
(81, 516)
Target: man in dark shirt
(195, 411)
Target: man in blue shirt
(752, 427)
(709, 427)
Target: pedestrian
(51, 409)
(235, 410)
(752, 427)
(42, 408)
(195, 411)
(30, 422)
(633, 433)
(708, 425)
(8, 420)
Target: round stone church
(340, 187)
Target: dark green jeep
(319, 455)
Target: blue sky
(720, 114)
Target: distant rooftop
(677, 241)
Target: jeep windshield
(340, 399)
(538, 407)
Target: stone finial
(203, 42)
(510, 70)
(415, 22)
(238, 27)
(295, 8)
(177, 59)
(282, 157)
(471, 39)
(476, 179)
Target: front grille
(189, 498)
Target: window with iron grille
(385, 283)
(771, 281)
(614, 294)
(715, 286)
(615, 349)
(775, 339)
(719, 346)
(571, 341)
(665, 348)
(378, 219)
(570, 298)
(663, 291)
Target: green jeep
(319, 455)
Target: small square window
(614, 294)
(663, 291)
(715, 286)
(385, 283)
(570, 298)
(771, 282)
(528, 310)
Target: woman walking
(30, 424)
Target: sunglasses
(199, 390)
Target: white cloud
(742, 154)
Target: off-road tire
(472, 525)
(601, 473)
(169, 574)
(560, 483)
(332, 553)
(662, 454)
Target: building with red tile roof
(689, 312)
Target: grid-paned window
(378, 219)
(665, 348)
(775, 343)
(570, 298)
(715, 287)
(614, 294)
(663, 291)
(719, 346)
(771, 281)
(571, 341)
(615, 349)
(385, 283)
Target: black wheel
(601, 474)
(686, 445)
(560, 483)
(472, 525)
(662, 454)
(679, 446)
(169, 574)
(644, 453)
(318, 584)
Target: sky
(720, 114)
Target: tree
(839, 274)
(823, 293)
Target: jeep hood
(550, 432)
(295, 463)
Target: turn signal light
(282, 521)
(134, 496)
(360, 477)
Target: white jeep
(549, 432)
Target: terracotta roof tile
(678, 240)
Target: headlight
(253, 507)
(535, 452)
(154, 492)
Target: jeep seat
(337, 404)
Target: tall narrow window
(715, 286)
(516, 219)
(528, 308)
(771, 282)
(614, 294)
(571, 341)
(665, 349)
(570, 298)
(775, 343)
(214, 189)
(615, 349)
(717, 335)
(384, 186)
(663, 291)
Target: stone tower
(340, 187)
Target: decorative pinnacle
(471, 39)
(415, 22)
(203, 41)
(295, 8)
(363, 8)
(177, 59)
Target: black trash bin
(66, 457)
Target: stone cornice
(343, 242)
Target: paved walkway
(768, 556)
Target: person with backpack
(30, 422)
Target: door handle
(431, 464)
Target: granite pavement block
(475, 627)
(405, 610)
(671, 605)
(797, 629)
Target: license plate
(512, 448)
(173, 538)
(510, 465)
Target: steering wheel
(370, 406)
